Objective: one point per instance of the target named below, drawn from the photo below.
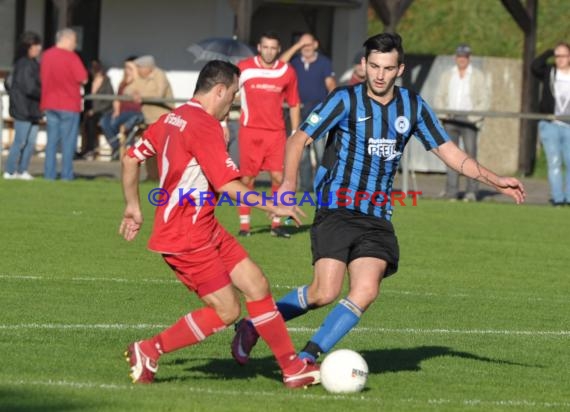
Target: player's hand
(305, 40)
(512, 187)
(131, 223)
(284, 193)
(291, 212)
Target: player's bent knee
(258, 289)
(324, 297)
(229, 314)
(363, 298)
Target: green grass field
(477, 318)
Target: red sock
(244, 218)
(245, 213)
(276, 221)
(271, 327)
(192, 328)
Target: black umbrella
(220, 48)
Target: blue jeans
(23, 147)
(62, 128)
(111, 126)
(555, 140)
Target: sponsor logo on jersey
(267, 87)
(384, 148)
(176, 120)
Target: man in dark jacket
(24, 91)
(555, 135)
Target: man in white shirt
(462, 88)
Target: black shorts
(347, 235)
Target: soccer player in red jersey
(193, 160)
(265, 84)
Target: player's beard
(268, 59)
(380, 91)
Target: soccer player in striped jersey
(368, 126)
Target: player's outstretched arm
(132, 216)
(235, 187)
(458, 160)
(293, 152)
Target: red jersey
(263, 92)
(193, 163)
(62, 74)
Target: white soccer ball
(344, 371)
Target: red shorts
(208, 268)
(261, 149)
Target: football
(344, 371)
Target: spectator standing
(462, 88)
(266, 83)
(316, 79)
(150, 82)
(100, 85)
(62, 75)
(24, 91)
(555, 135)
(126, 113)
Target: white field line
(518, 403)
(507, 296)
(364, 330)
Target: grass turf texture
(476, 318)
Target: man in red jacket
(62, 75)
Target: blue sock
(344, 316)
(294, 303)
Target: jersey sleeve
(206, 142)
(428, 129)
(292, 96)
(326, 115)
(146, 147)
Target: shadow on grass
(410, 359)
(93, 176)
(379, 361)
(226, 369)
(36, 400)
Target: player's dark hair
(270, 35)
(385, 43)
(216, 72)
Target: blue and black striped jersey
(365, 143)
